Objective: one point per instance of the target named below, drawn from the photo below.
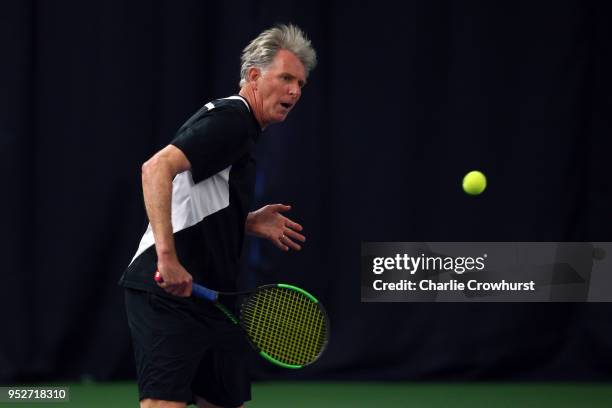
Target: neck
(256, 104)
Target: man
(197, 193)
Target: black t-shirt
(211, 201)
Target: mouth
(286, 105)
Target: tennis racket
(285, 324)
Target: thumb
(280, 207)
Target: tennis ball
(474, 182)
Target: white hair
(261, 51)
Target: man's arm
(157, 175)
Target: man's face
(280, 87)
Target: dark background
(406, 99)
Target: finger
(187, 287)
(293, 225)
(288, 242)
(168, 288)
(295, 235)
(292, 245)
(179, 290)
(280, 207)
(164, 285)
(279, 244)
(171, 289)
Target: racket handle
(196, 290)
(204, 293)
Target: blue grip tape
(204, 293)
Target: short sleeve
(213, 142)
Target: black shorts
(186, 347)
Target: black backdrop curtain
(406, 99)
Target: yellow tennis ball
(474, 182)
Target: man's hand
(174, 278)
(268, 223)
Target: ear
(253, 74)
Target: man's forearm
(157, 191)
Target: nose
(295, 91)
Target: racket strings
(303, 332)
(285, 324)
